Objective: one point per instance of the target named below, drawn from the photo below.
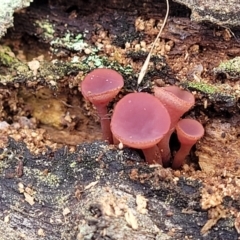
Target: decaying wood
(91, 192)
(225, 13)
(188, 38)
(67, 204)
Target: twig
(145, 65)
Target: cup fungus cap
(176, 100)
(189, 131)
(101, 85)
(140, 120)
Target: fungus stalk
(189, 131)
(101, 86)
(105, 122)
(181, 155)
(152, 155)
(177, 102)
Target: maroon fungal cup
(177, 101)
(140, 121)
(189, 131)
(99, 87)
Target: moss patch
(201, 87)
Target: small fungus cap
(189, 131)
(140, 120)
(176, 100)
(101, 85)
(183, 95)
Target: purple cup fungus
(140, 121)
(189, 131)
(177, 101)
(99, 87)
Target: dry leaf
(66, 211)
(237, 223)
(7, 219)
(208, 225)
(112, 205)
(40, 232)
(29, 198)
(131, 219)
(90, 185)
(20, 187)
(34, 66)
(141, 204)
(29, 191)
(214, 214)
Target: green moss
(7, 57)
(13, 69)
(49, 71)
(202, 87)
(59, 69)
(10, 66)
(46, 29)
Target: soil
(60, 181)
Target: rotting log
(62, 195)
(60, 26)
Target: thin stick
(145, 65)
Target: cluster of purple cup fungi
(141, 120)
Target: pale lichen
(48, 179)
(8, 7)
(71, 42)
(230, 68)
(46, 29)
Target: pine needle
(146, 63)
